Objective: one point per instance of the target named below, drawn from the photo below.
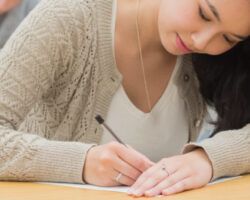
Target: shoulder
(62, 17)
(63, 9)
(70, 5)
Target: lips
(181, 45)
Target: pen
(100, 120)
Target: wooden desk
(238, 189)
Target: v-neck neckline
(161, 100)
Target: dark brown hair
(225, 84)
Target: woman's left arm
(226, 154)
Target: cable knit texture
(57, 72)
(46, 72)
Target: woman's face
(7, 5)
(203, 26)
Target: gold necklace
(141, 58)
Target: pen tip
(99, 119)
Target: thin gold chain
(141, 58)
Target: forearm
(28, 157)
(228, 152)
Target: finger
(144, 176)
(167, 182)
(180, 186)
(162, 165)
(126, 169)
(123, 179)
(134, 158)
(157, 177)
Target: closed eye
(203, 15)
(231, 42)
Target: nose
(201, 39)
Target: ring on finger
(163, 168)
(118, 177)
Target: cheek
(176, 18)
(217, 46)
(218, 49)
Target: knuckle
(141, 164)
(157, 179)
(136, 175)
(113, 144)
(116, 147)
(105, 158)
(129, 182)
(171, 181)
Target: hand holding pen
(113, 163)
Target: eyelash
(203, 16)
(228, 40)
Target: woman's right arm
(34, 55)
(42, 48)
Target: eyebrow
(213, 10)
(217, 16)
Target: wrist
(85, 162)
(204, 156)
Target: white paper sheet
(223, 180)
(123, 189)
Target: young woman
(12, 12)
(124, 60)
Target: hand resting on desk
(174, 174)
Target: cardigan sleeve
(229, 152)
(41, 47)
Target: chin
(173, 51)
(170, 48)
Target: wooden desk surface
(238, 189)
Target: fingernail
(147, 193)
(137, 193)
(130, 191)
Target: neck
(147, 21)
(148, 24)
